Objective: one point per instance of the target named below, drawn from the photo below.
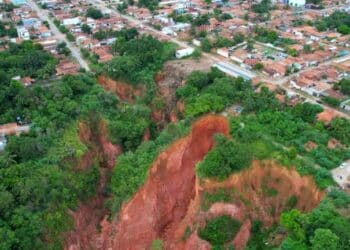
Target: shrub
(220, 230)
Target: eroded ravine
(170, 201)
(90, 214)
(160, 205)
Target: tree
(94, 13)
(307, 48)
(258, 66)
(293, 221)
(307, 111)
(292, 52)
(206, 45)
(340, 129)
(344, 29)
(345, 86)
(63, 49)
(324, 239)
(198, 79)
(86, 28)
(220, 230)
(226, 158)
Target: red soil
(169, 202)
(251, 187)
(92, 214)
(124, 91)
(160, 206)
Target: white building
(71, 21)
(23, 33)
(297, 3)
(184, 52)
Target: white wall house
(297, 2)
(23, 33)
(184, 52)
(71, 21)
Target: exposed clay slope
(157, 209)
(252, 185)
(252, 200)
(170, 200)
(124, 91)
(88, 216)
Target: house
(66, 68)
(316, 89)
(345, 105)
(23, 33)
(296, 3)
(274, 69)
(18, 2)
(44, 32)
(184, 52)
(71, 21)
(223, 52)
(27, 81)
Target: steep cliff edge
(91, 213)
(157, 209)
(170, 206)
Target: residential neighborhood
(175, 124)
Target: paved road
(100, 4)
(135, 22)
(44, 16)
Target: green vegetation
(140, 57)
(157, 245)
(104, 34)
(7, 29)
(265, 36)
(333, 102)
(220, 195)
(345, 86)
(132, 169)
(267, 128)
(94, 13)
(322, 228)
(150, 4)
(220, 230)
(263, 7)
(210, 92)
(39, 180)
(226, 158)
(338, 20)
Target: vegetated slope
(259, 193)
(88, 216)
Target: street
(43, 15)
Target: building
(71, 21)
(184, 52)
(345, 105)
(233, 70)
(18, 2)
(297, 3)
(23, 33)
